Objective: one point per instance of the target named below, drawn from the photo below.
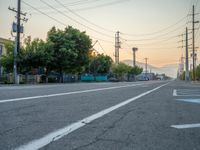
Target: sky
(153, 26)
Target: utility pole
(18, 30)
(146, 65)
(18, 24)
(134, 58)
(193, 43)
(186, 56)
(117, 46)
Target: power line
(108, 30)
(102, 48)
(190, 6)
(102, 5)
(159, 41)
(45, 14)
(99, 39)
(160, 48)
(156, 37)
(76, 20)
(80, 2)
(159, 31)
(61, 4)
(56, 20)
(92, 7)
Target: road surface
(151, 115)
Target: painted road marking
(53, 136)
(197, 101)
(174, 92)
(186, 92)
(69, 93)
(186, 126)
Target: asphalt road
(152, 115)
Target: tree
(121, 69)
(8, 59)
(70, 49)
(198, 72)
(100, 64)
(182, 76)
(136, 70)
(35, 54)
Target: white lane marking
(186, 92)
(53, 136)
(186, 126)
(174, 92)
(68, 93)
(190, 100)
(189, 95)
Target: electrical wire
(102, 48)
(56, 20)
(73, 4)
(159, 31)
(108, 30)
(161, 48)
(156, 42)
(92, 7)
(159, 36)
(76, 14)
(102, 5)
(76, 20)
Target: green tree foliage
(136, 70)
(198, 72)
(7, 60)
(70, 49)
(100, 64)
(121, 69)
(36, 54)
(64, 51)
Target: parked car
(113, 79)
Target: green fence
(94, 78)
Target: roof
(3, 40)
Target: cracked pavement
(141, 124)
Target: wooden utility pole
(186, 56)
(193, 43)
(134, 56)
(18, 29)
(117, 46)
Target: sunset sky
(151, 25)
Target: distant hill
(169, 70)
(130, 62)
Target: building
(3, 51)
